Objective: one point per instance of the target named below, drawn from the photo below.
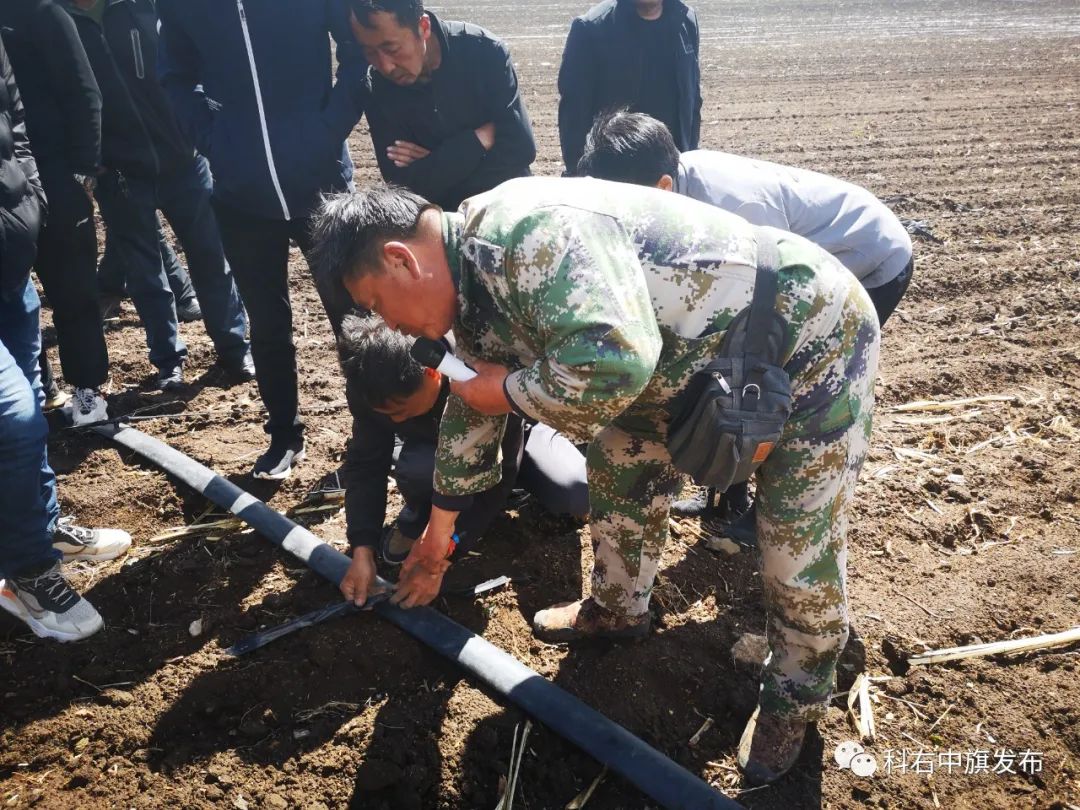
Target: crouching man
(844, 219)
(588, 306)
(396, 405)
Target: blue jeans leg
(28, 507)
(176, 273)
(130, 212)
(184, 198)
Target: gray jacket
(844, 219)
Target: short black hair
(407, 12)
(376, 362)
(350, 228)
(629, 147)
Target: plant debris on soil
(965, 529)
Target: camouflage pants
(804, 489)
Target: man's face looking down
(411, 287)
(398, 52)
(418, 403)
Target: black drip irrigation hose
(654, 774)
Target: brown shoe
(587, 619)
(769, 747)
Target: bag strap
(763, 316)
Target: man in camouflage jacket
(588, 305)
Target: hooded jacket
(21, 198)
(252, 85)
(603, 65)
(57, 84)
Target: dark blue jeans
(129, 206)
(28, 508)
(112, 274)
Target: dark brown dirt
(967, 118)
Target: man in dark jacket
(251, 83)
(152, 165)
(639, 54)
(33, 537)
(63, 112)
(396, 406)
(445, 115)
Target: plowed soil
(964, 117)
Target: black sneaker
(170, 377)
(242, 370)
(110, 305)
(742, 528)
(700, 504)
(44, 600)
(395, 545)
(189, 311)
(517, 498)
(276, 463)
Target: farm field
(966, 118)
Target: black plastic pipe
(663, 780)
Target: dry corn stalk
(228, 524)
(864, 721)
(930, 405)
(517, 750)
(578, 802)
(998, 647)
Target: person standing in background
(640, 54)
(274, 131)
(33, 536)
(63, 120)
(445, 114)
(151, 165)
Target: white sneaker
(50, 606)
(87, 407)
(78, 543)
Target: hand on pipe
(423, 570)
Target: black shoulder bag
(730, 416)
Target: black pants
(414, 473)
(546, 464)
(67, 266)
(553, 470)
(888, 295)
(257, 250)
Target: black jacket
(63, 104)
(370, 456)
(21, 199)
(140, 134)
(474, 84)
(252, 84)
(602, 68)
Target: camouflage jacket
(604, 298)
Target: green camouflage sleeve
(579, 286)
(469, 455)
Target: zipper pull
(723, 383)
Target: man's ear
(665, 183)
(424, 27)
(399, 255)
